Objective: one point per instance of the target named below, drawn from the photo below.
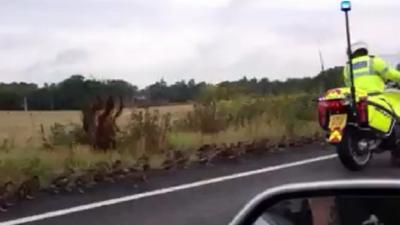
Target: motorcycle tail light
(336, 105)
(362, 110)
(327, 107)
(322, 114)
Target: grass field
(22, 128)
(22, 153)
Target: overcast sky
(142, 41)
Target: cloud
(142, 41)
(71, 56)
(65, 63)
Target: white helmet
(358, 46)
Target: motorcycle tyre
(345, 149)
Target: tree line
(76, 91)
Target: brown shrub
(99, 123)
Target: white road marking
(167, 190)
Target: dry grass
(22, 153)
(21, 146)
(21, 163)
(23, 128)
(259, 131)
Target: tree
(76, 91)
(10, 101)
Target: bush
(147, 130)
(244, 111)
(207, 118)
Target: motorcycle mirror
(363, 202)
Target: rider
(370, 72)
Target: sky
(143, 41)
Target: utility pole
(321, 60)
(25, 104)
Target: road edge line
(161, 191)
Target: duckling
(180, 159)
(118, 170)
(225, 152)
(240, 148)
(233, 153)
(317, 137)
(62, 182)
(29, 188)
(291, 142)
(6, 196)
(168, 162)
(83, 180)
(136, 175)
(263, 146)
(203, 148)
(250, 147)
(143, 163)
(282, 143)
(102, 172)
(207, 155)
(299, 142)
(202, 157)
(308, 140)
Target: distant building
(140, 101)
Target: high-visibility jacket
(370, 74)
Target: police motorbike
(370, 126)
(360, 124)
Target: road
(210, 201)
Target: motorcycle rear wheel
(350, 153)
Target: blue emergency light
(346, 6)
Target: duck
(180, 159)
(103, 172)
(29, 188)
(7, 192)
(61, 182)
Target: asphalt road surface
(195, 196)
